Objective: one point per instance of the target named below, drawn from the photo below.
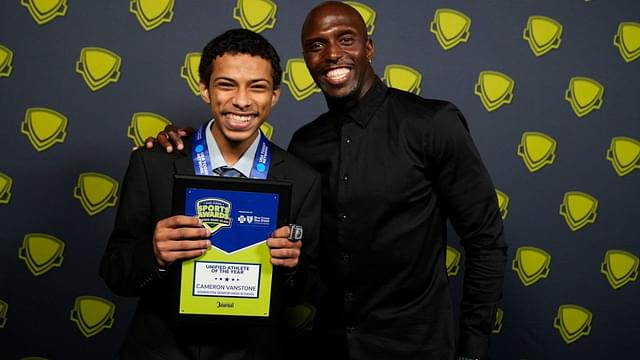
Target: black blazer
(129, 268)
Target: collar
(245, 162)
(363, 111)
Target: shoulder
(418, 105)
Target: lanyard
(202, 160)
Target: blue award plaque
(234, 278)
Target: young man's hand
(170, 136)
(284, 252)
(169, 238)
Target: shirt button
(348, 296)
(345, 178)
(347, 140)
(343, 217)
(350, 329)
(345, 258)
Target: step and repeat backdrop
(551, 90)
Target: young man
(240, 76)
(394, 167)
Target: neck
(349, 102)
(231, 150)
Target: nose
(242, 100)
(334, 52)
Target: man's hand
(168, 137)
(179, 237)
(284, 252)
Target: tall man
(394, 168)
(240, 76)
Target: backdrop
(550, 88)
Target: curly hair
(239, 41)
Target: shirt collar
(367, 106)
(243, 165)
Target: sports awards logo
(452, 260)
(44, 127)
(624, 155)
(578, 209)
(573, 322)
(145, 124)
(537, 150)
(584, 95)
(43, 11)
(4, 309)
(627, 40)
(5, 188)
(367, 13)
(152, 13)
(620, 268)
(531, 264)
(41, 252)
(99, 67)
(256, 15)
(92, 314)
(189, 71)
(497, 324)
(451, 27)
(215, 213)
(298, 79)
(6, 59)
(503, 203)
(96, 192)
(494, 89)
(402, 77)
(543, 34)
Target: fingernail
(169, 148)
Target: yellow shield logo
(620, 268)
(256, 15)
(44, 127)
(451, 27)
(543, 34)
(145, 124)
(531, 264)
(537, 150)
(297, 77)
(584, 95)
(627, 40)
(98, 67)
(367, 13)
(6, 58)
(41, 252)
(452, 259)
(497, 324)
(624, 155)
(402, 77)
(578, 209)
(573, 322)
(4, 308)
(152, 13)
(189, 71)
(43, 11)
(5, 188)
(96, 192)
(92, 314)
(267, 130)
(503, 203)
(300, 318)
(494, 89)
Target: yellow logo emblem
(367, 13)
(5, 188)
(96, 192)
(256, 15)
(267, 130)
(578, 209)
(297, 77)
(584, 95)
(537, 150)
(531, 264)
(452, 260)
(620, 267)
(627, 40)
(451, 27)
(624, 154)
(402, 77)
(6, 58)
(494, 89)
(497, 324)
(189, 71)
(145, 124)
(152, 13)
(44, 127)
(92, 314)
(43, 11)
(4, 308)
(215, 213)
(573, 322)
(98, 67)
(300, 318)
(503, 203)
(543, 34)
(41, 252)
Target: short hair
(239, 41)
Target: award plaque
(234, 278)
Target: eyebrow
(251, 81)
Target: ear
(371, 51)
(204, 92)
(275, 96)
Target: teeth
(240, 118)
(337, 73)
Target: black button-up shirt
(394, 168)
